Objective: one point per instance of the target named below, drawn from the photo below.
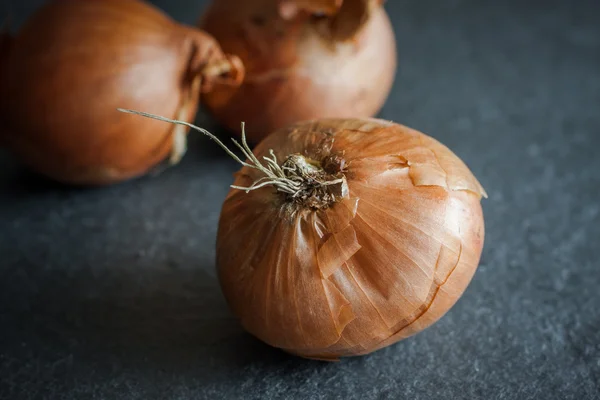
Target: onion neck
(225, 71)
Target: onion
(304, 59)
(75, 62)
(342, 236)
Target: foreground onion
(75, 62)
(305, 59)
(340, 237)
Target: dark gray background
(111, 293)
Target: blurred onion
(304, 59)
(74, 62)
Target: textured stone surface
(111, 293)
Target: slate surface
(111, 293)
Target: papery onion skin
(379, 265)
(75, 62)
(296, 73)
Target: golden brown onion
(373, 233)
(75, 62)
(304, 59)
